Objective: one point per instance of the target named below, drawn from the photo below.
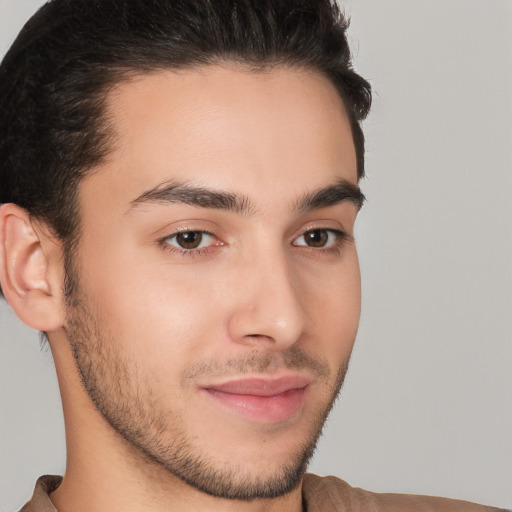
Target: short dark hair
(55, 78)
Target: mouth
(263, 400)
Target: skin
(272, 292)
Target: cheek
(158, 311)
(335, 306)
(337, 289)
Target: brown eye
(316, 238)
(189, 239)
(319, 238)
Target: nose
(269, 308)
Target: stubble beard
(124, 396)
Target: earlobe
(25, 257)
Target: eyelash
(166, 246)
(335, 248)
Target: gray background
(427, 407)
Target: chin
(238, 482)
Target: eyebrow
(185, 193)
(341, 191)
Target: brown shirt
(320, 494)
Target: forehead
(226, 127)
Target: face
(217, 284)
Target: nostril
(258, 338)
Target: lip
(263, 400)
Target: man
(179, 183)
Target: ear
(31, 270)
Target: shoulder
(40, 501)
(330, 494)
